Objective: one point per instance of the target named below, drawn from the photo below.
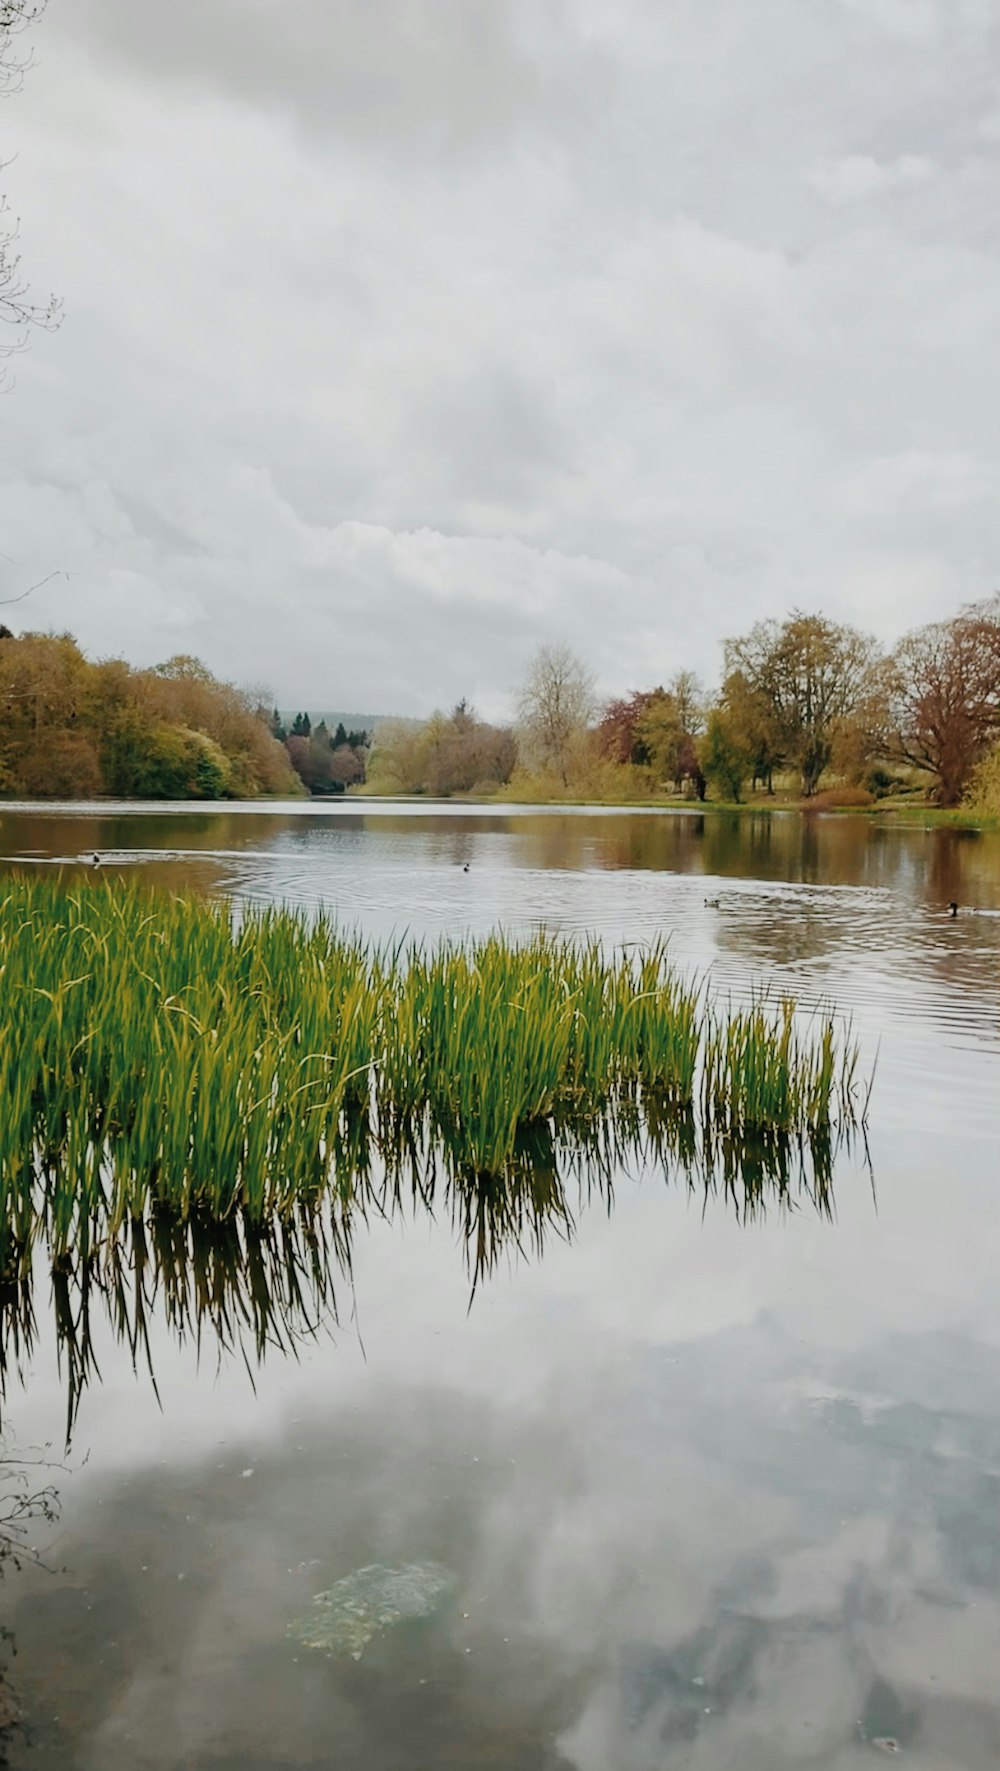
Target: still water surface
(713, 1487)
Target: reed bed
(155, 1053)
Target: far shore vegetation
(71, 729)
(809, 714)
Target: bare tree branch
(7, 601)
(16, 310)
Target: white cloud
(921, 21)
(371, 408)
(920, 482)
(858, 177)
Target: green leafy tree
(754, 721)
(175, 763)
(321, 771)
(725, 758)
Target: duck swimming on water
(96, 861)
(953, 909)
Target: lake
(685, 1478)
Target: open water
(686, 1483)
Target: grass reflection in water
(245, 1286)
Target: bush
(881, 781)
(841, 799)
(878, 781)
(984, 789)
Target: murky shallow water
(713, 1492)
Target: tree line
(324, 761)
(806, 705)
(71, 729)
(811, 702)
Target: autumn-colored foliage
(446, 754)
(70, 729)
(941, 691)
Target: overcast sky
(404, 335)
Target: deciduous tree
(617, 727)
(555, 706)
(446, 754)
(809, 673)
(17, 311)
(667, 731)
(941, 697)
(753, 722)
(725, 755)
(346, 766)
(73, 728)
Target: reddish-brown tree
(941, 695)
(617, 728)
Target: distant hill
(352, 722)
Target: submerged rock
(345, 1618)
(888, 1723)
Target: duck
(465, 867)
(95, 861)
(953, 909)
(712, 903)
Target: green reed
(156, 1053)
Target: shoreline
(960, 817)
(921, 816)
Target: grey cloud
(921, 21)
(858, 177)
(433, 75)
(377, 406)
(496, 429)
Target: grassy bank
(890, 810)
(155, 1053)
